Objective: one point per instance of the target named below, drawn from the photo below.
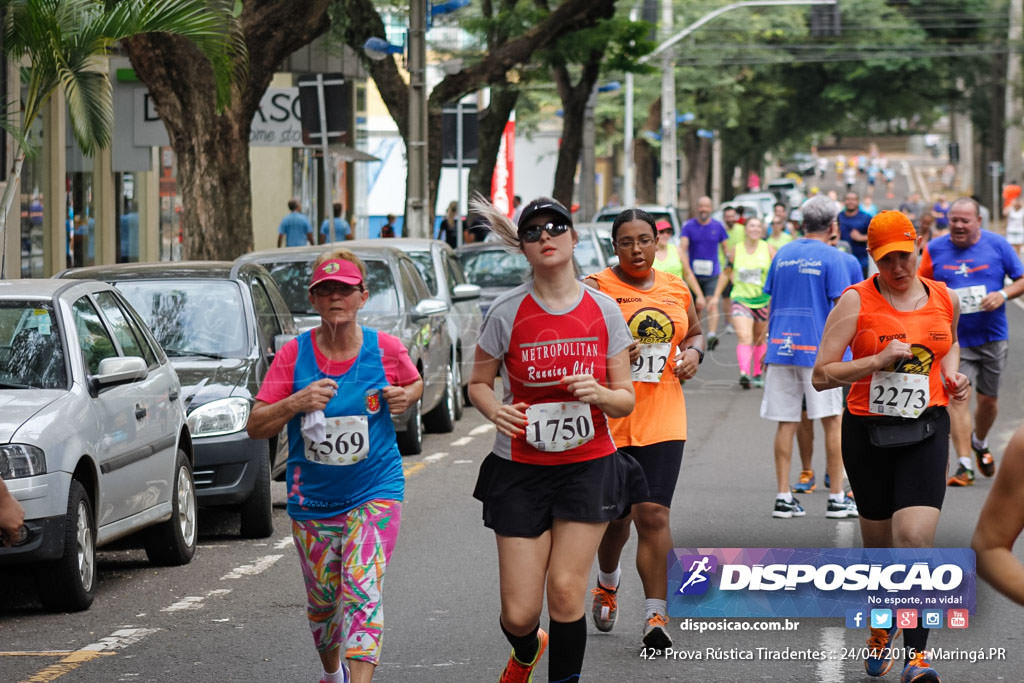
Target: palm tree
(64, 39)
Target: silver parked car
(443, 274)
(93, 440)
(221, 325)
(401, 305)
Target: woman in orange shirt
(901, 329)
(668, 345)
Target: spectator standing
(342, 230)
(295, 229)
(388, 229)
(448, 229)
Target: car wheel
(174, 542)
(410, 440)
(442, 417)
(257, 510)
(68, 584)
(460, 403)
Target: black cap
(543, 205)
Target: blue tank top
(316, 490)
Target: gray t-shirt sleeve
(619, 337)
(496, 329)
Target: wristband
(700, 354)
(1006, 297)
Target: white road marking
(253, 568)
(285, 542)
(481, 429)
(462, 441)
(845, 533)
(434, 457)
(462, 462)
(194, 601)
(830, 640)
(120, 639)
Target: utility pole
(668, 189)
(1014, 92)
(418, 221)
(628, 177)
(588, 164)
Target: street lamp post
(417, 193)
(668, 192)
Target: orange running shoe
(517, 672)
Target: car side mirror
(279, 341)
(118, 370)
(465, 292)
(429, 307)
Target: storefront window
(170, 208)
(31, 200)
(127, 218)
(82, 215)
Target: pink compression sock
(743, 352)
(759, 352)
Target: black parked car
(220, 324)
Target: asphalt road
(236, 613)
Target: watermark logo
(931, 618)
(856, 618)
(695, 581)
(820, 582)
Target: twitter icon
(881, 618)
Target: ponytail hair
(500, 224)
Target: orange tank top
(928, 330)
(657, 319)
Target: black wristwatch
(700, 354)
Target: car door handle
(140, 411)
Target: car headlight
(18, 460)
(224, 416)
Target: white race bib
(899, 394)
(347, 442)
(703, 267)
(970, 298)
(750, 276)
(651, 363)
(557, 427)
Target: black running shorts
(885, 480)
(521, 499)
(660, 462)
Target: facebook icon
(855, 618)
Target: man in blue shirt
(974, 263)
(295, 229)
(853, 229)
(700, 240)
(342, 231)
(806, 277)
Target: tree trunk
(492, 125)
(574, 107)
(10, 192)
(645, 155)
(213, 149)
(698, 160)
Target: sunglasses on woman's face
(532, 233)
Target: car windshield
(586, 254)
(31, 352)
(495, 267)
(292, 278)
(192, 317)
(425, 264)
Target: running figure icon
(697, 570)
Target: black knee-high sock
(915, 639)
(568, 643)
(524, 647)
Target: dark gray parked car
(401, 305)
(221, 324)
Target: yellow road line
(70, 662)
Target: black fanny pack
(897, 432)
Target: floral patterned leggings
(343, 559)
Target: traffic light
(825, 22)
